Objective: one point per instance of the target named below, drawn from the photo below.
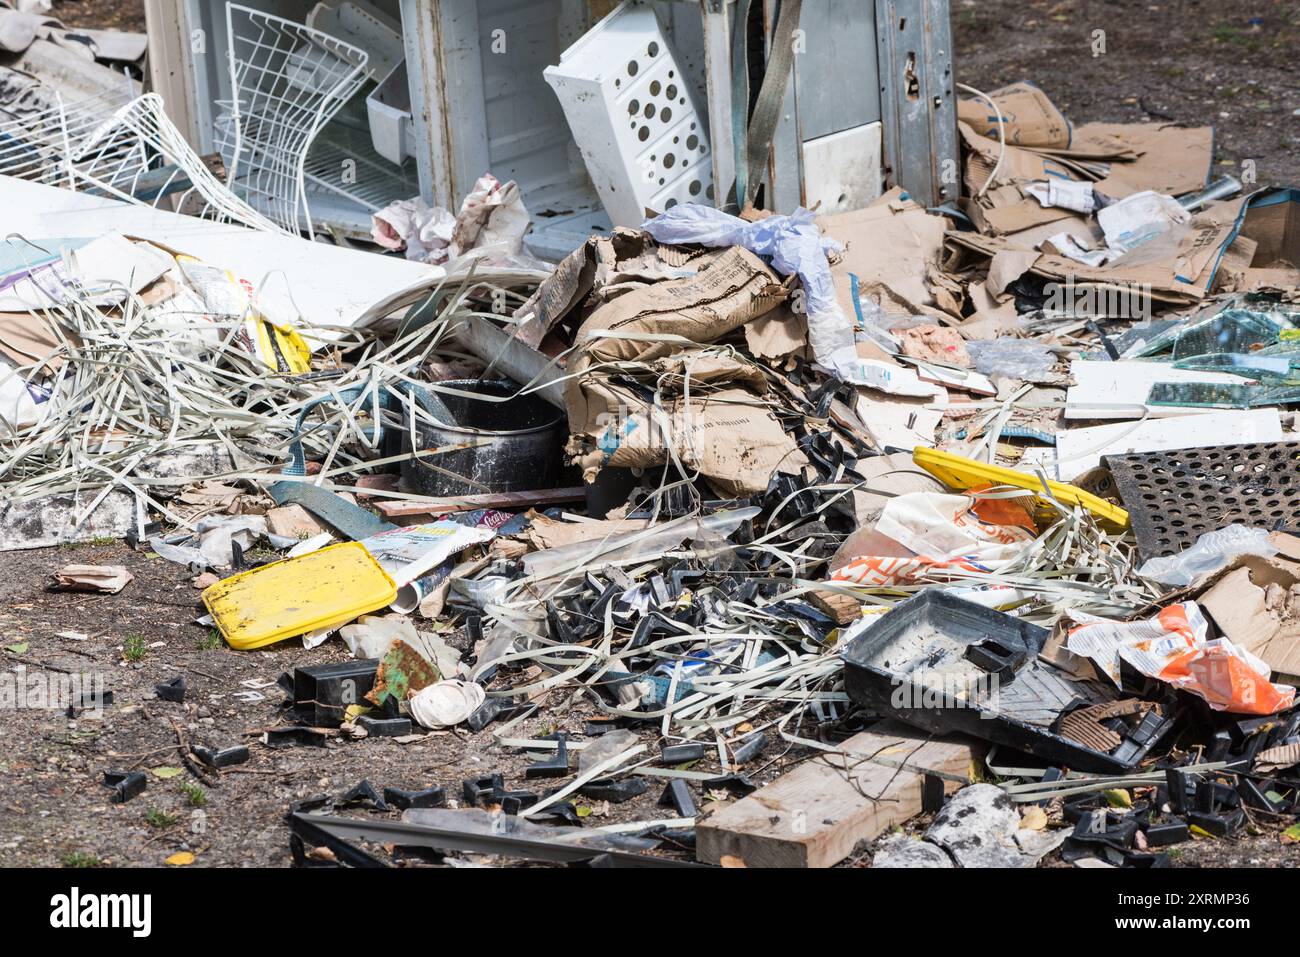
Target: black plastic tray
(878, 682)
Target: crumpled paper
(492, 222)
(446, 703)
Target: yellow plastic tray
(292, 597)
(963, 473)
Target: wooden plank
(815, 815)
(468, 503)
(843, 608)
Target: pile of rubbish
(1012, 484)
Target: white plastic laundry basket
(632, 114)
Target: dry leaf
(1033, 818)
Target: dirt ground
(54, 808)
(1195, 61)
(104, 14)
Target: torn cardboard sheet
(1006, 267)
(777, 336)
(892, 245)
(729, 436)
(900, 423)
(1029, 118)
(1011, 210)
(1272, 222)
(1018, 164)
(544, 532)
(31, 339)
(1176, 267)
(106, 579)
(1256, 604)
(1167, 158)
(887, 477)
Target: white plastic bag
(446, 703)
(1212, 551)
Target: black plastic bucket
(525, 453)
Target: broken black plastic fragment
(363, 792)
(554, 767)
(323, 693)
(384, 727)
(750, 748)
(678, 796)
(125, 784)
(220, 759)
(294, 736)
(614, 791)
(173, 690)
(1170, 832)
(673, 754)
(435, 796)
(481, 790)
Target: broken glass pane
(1268, 369)
(1234, 330)
(1205, 396)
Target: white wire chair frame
(123, 147)
(287, 81)
(117, 157)
(44, 128)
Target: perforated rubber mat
(1175, 497)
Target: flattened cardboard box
(1029, 118)
(729, 436)
(1272, 222)
(892, 248)
(1178, 268)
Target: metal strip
(420, 835)
(918, 109)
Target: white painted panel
(842, 171)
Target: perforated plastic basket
(632, 114)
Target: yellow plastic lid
(292, 597)
(963, 473)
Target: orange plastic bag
(1172, 648)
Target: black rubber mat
(1175, 497)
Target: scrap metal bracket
(917, 104)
